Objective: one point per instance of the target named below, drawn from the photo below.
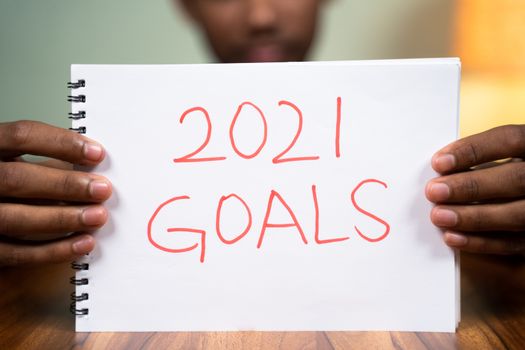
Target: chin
(260, 55)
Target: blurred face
(257, 30)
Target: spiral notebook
(274, 197)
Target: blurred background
(40, 39)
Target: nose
(261, 15)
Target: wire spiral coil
(78, 266)
(81, 83)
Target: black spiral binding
(78, 282)
(77, 99)
(80, 129)
(78, 115)
(78, 266)
(78, 84)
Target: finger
(496, 163)
(498, 143)
(63, 250)
(485, 245)
(482, 217)
(47, 162)
(28, 222)
(31, 137)
(56, 164)
(25, 180)
(499, 182)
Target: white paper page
(265, 270)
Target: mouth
(265, 53)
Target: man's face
(257, 30)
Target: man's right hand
(42, 203)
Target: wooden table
(34, 315)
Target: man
(480, 210)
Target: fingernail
(455, 240)
(444, 162)
(84, 245)
(99, 189)
(92, 151)
(438, 191)
(444, 217)
(94, 216)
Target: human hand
(42, 203)
(481, 205)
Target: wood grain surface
(34, 314)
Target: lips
(265, 53)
